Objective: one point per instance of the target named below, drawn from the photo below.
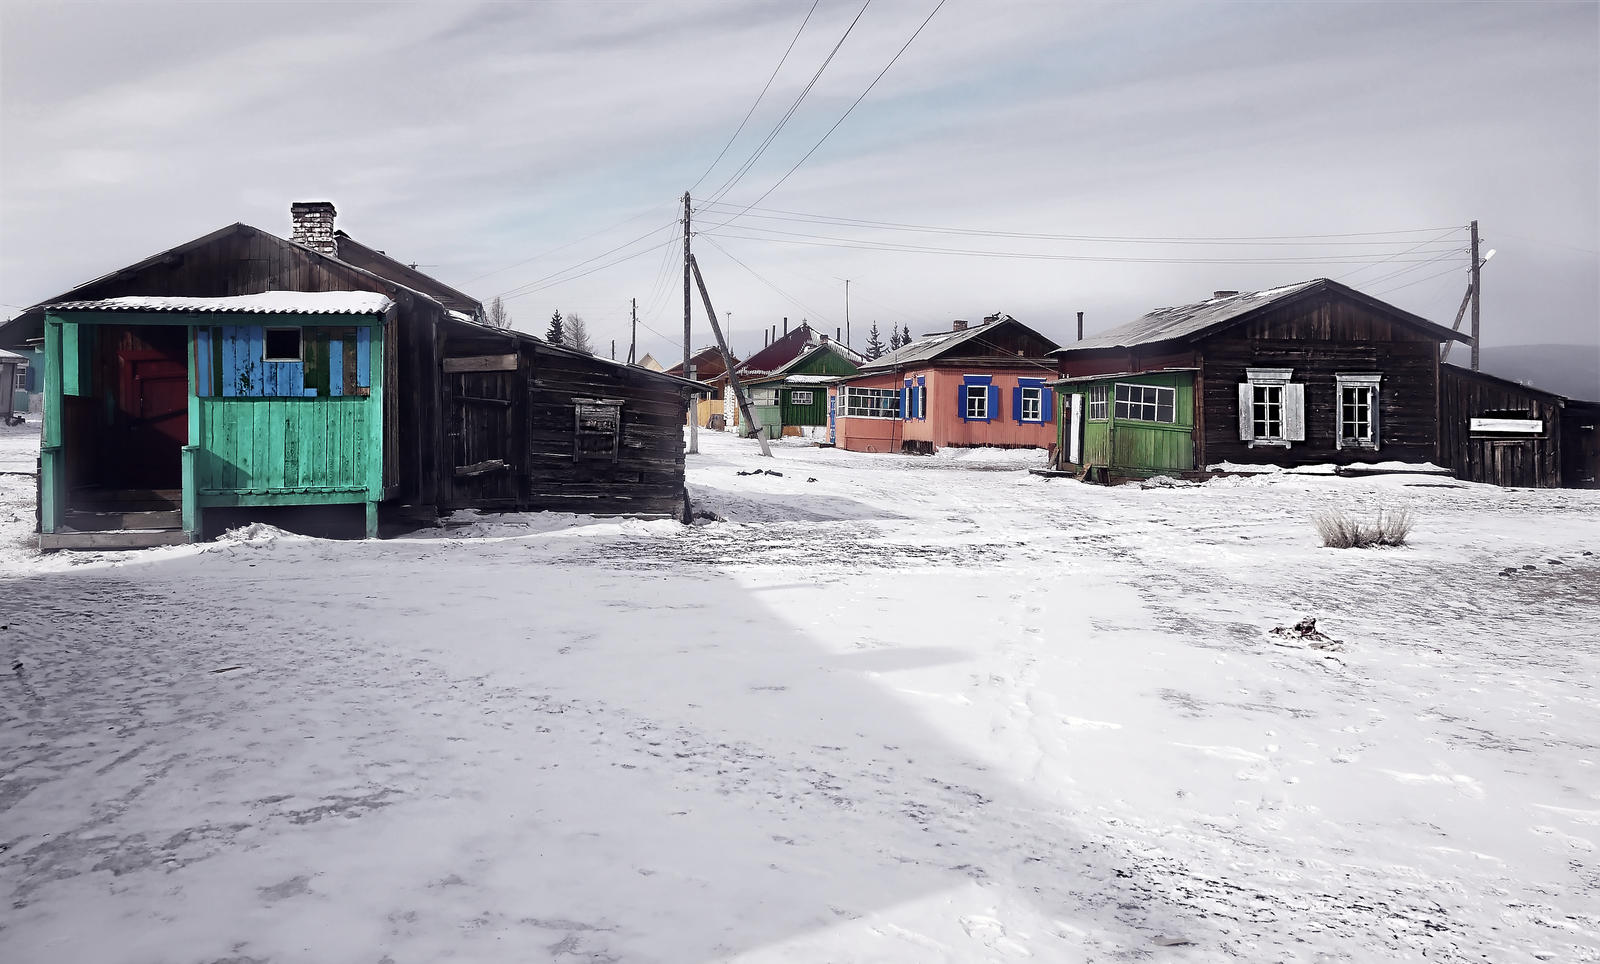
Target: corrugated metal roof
(1203, 317)
(1181, 321)
(266, 303)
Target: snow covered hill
(886, 709)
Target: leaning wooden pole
(727, 361)
(1460, 313)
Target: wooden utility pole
(694, 406)
(847, 312)
(633, 334)
(1460, 313)
(1475, 292)
(727, 361)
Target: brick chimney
(313, 225)
(958, 326)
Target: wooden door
(482, 446)
(1075, 431)
(153, 401)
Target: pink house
(972, 385)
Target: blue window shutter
(900, 401)
(1047, 404)
(994, 403)
(961, 402)
(1016, 404)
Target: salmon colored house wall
(942, 425)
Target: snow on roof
(812, 379)
(266, 303)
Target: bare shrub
(1343, 530)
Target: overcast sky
(474, 139)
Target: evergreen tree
(905, 335)
(874, 342)
(557, 333)
(895, 341)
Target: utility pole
(633, 334)
(694, 405)
(727, 360)
(1476, 295)
(847, 312)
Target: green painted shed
(158, 408)
(795, 397)
(1127, 425)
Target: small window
(1032, 403)
(1266, 411)
(283, 345)
(977, 397)
(1358, 411)
(22, 378)
(800, 398)
(1146, 403)
(1097, 402)
(598, 429)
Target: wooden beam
(481, 363)
(481, 468)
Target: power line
(763, 93)
(1299, 239)
(766, 142)
(856, 244)
(564, 247)
(1409, 250)
(759, 277)
(1408, 284)
(846, 114)
(1417, 266)
(602, 267)
(518, 289)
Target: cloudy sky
(1095, 157)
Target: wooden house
(1495, 430)
(706, 366)
(13, 381)
(971, 385)
(245, 371)
(1307, 373)
(781, 351)
(793, 400)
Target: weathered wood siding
(1407, 398)
(1521, 460)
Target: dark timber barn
(1495, 430)
(223, 384)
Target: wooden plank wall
(1407, 398)
(1532, 462)
(647, 476)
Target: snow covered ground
(889, 709)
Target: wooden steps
(119, 519)
(113, 539)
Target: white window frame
(801, 396)
(1154, 405)
(1099, 402)
(1370, 384)
(1291, 404)
(980, 394)
(20, 383)
(1035, 400)
(871, 403)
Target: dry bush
(1342, 530)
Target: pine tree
(905, 335)
(895, 341)
(874, 342)
(557, 334)
(497, 314)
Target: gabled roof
(809, 352)
(788, 348)
(29, 324)
(707, 363)
(379, 263)
(934, 344)
(515, 336)
(1203, 318)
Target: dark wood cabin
(1495, 430)
(1308, 373)
(430, 446)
